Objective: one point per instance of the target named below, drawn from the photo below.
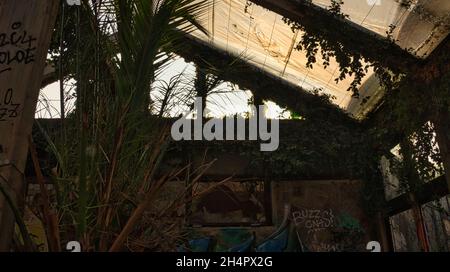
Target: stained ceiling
(262, 37)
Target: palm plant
(110, 148)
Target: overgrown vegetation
(108, 151)
(416, 99)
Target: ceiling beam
(430, 73)
(266, 86)
(432, 190)
(435, 66)
(354, 38)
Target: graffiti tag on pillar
(8, 109)
(17, 46)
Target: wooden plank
(432, 190)
(26, 27)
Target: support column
(201, 85)
(383, 231)
(26, 27)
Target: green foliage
(412, 109)
(107, 143)
(312, 42)
(108, 149)
(412, 99)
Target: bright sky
(224, 100)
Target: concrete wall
(327, 214)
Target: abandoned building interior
(360, 90)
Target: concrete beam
(265, 85)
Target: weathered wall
(327, 214)
(25, 31)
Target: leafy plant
(109, 150)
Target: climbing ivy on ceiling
(412, 97)
(350, 63)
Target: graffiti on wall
(17, 46)
(8, 108)
(325, 230)
(313, 220)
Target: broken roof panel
(260, 36)
(419, 25)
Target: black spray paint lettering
(16, 47)
(8, 109)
